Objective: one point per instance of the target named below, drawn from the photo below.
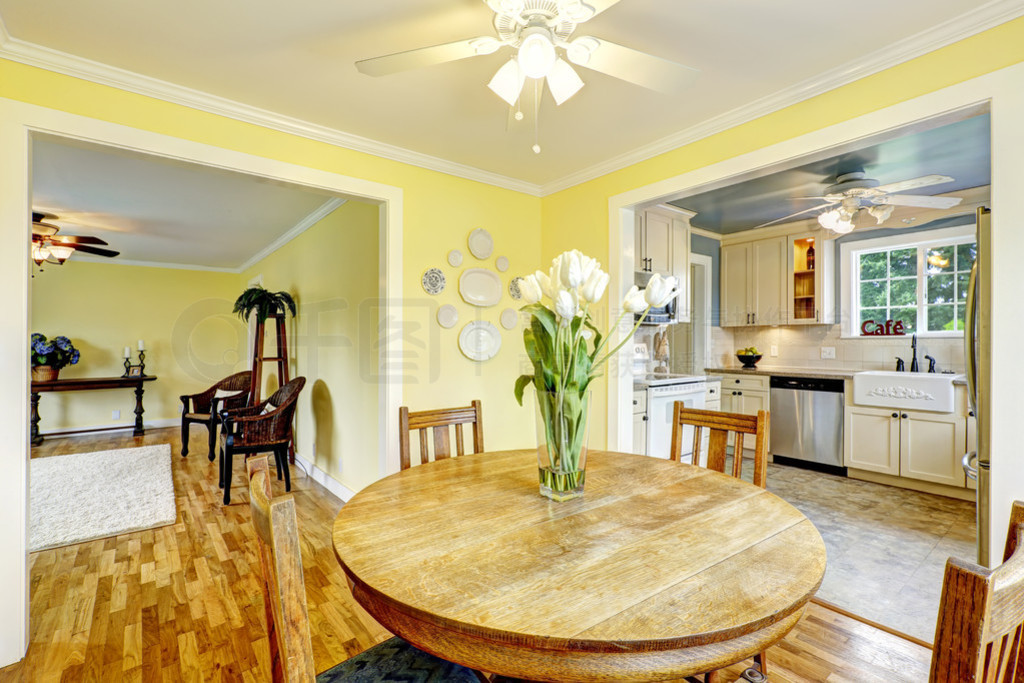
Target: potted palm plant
(48, 356)
(264, 302)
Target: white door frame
(1003, 90)
(19, 121)
(705, 262)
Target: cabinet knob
(895, 414)
(737, 381)
(636, 402)
(904, 416)
(645, 418)
(970, 413)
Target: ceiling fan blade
(93, 250)
(424, 56)
(794, 215)
(920, 200)
(634, 66)
(600, 5)
(76, 239)
(914, 183)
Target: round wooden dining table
(661, 570)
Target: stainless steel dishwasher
(807, 423)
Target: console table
(89, 384)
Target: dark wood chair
(720, 425)
(204, 408)
(287, 618)
(980, 625)
(439, 421)
(264, 427)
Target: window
(918, 281)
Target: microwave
(662, 315)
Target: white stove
(663, 391)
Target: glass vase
(562, 435)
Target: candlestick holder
(127, 367)
(142, 363)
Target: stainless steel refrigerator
(977, 464)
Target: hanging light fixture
(39, 253)
(508, 82)
(836, 220)
(60, 252)
(536, 53)
(563, 81)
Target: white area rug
(83, 496)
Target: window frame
(922, 240)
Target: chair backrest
(981, 616)
(719, 426)
(281, 405)
(438, 421)
(287, 393)
(240, 381)
(284, 590)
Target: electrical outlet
(773, 350)
(828, 352)
(115, 415)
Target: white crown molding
(985, 17)
(53, 60)
(83, 258)
(705, 233)
(302, 226)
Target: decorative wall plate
(513, 288)
(509, 318)
(433, 281)
(501, 263)
(454, 258)
(480, 287)
(481, 244)
(447, 316)
(479, 340)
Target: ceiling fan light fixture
(536, 52)
(60, 252)
(837, 221)
(508, 82)
(881, 213)
(39, 253)
(563, 81)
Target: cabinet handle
(895, 414)
(753, 317)
(904, 416)
(816, 318)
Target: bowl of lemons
(749, 357)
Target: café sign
(890, 328)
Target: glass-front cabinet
(810, 291)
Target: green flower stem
(626, 338)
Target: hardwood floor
(181, 602)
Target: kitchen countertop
(815, 373)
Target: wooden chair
(439, 421)
(719, 426)
(230, 393)
(287, 619)
(980, 625)
(266, 426)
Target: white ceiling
(160, 211)
(296, 59)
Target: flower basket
(44, 373)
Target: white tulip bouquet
(565, 349)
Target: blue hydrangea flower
(74, 356)
(36, 337)
(45, 349)
(63, 343)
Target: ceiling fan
(537, 30)
(854, 192)
(49, 247)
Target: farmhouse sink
(905, 390)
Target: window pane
(903, 262)
(908, 316)
(940, 260)
(903, 292)
(874, 294)
(962, 280)
(940, 290)
(872, 266)
(961, 317)
(940, 318)
(965, 255)
(877, 315)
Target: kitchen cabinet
(745, 394)
(662, 245)
(905, 443)
(713, 396)
(640, 422)
(809, 280)
(753, 283)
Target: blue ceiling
(960, 149)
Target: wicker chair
(264, 427)
(231, 393)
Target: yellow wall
(579, 215)
(182, 315)
(331, 270)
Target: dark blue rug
(397, 661)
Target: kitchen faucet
(899, 364)
(914, 367)
(931, 363)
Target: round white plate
(433, 281)
(501, 263)
(481, 244)
(509, 318)
(480, 287)
(454, 258)
(513, 288)
(479, 340)
(447, 316)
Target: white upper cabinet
(810, 296)
(753, 287)
(662, 245)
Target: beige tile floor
(887, 547)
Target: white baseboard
(113, 426)
(324, 479)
